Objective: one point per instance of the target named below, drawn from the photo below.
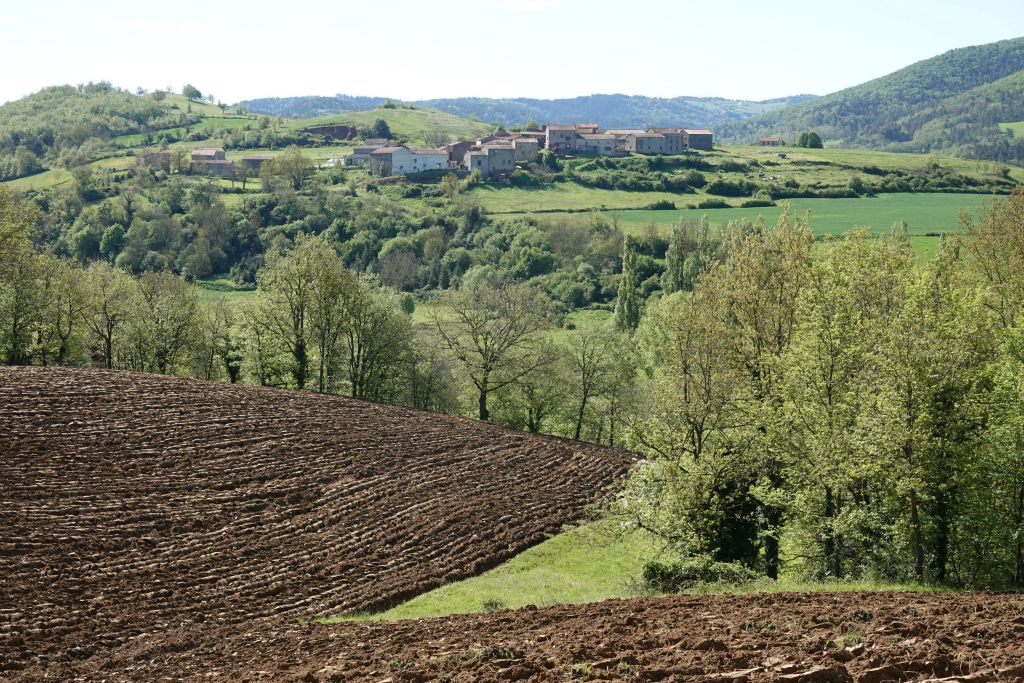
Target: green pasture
(799, 157)
(566, 197)
(1016, 127)
(39, 181)
(217, 288)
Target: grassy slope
(410, 124)
(584, 564)
(588, 563)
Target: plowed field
(811, 638)
(134, 507)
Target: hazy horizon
(544, 49)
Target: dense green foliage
(849, 414)
(675, 577)
(950, 102)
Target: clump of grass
(400, 664)
(493, 605)
(849, 638)
(500, 653)
(579, 670)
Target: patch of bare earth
(163, 517)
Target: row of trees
(314, 324)
(852, 414)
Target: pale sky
(420, 49)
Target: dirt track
(133, 505)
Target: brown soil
(156, 516)
(830, 637)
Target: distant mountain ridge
(611, 111)
(954, 103)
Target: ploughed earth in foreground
(870, 637)
(153, 515)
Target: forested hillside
(67, 125)
(612, 111)
(953, 102)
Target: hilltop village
(492, 156)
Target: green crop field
(924, 213)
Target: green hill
(415, 125)
(67, 125)
(613, 111)
(953, 103)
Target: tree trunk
(915, 524)
(831, 561)
(771, 544)
(941, 536)
(1018, 518)
(301, 363)
(579, 418)
(484, 414)
(108, 348)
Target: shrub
(713, 204)
(673, 577)
(755, 203)
(662, 205)
(730, 188)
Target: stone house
(361, 153)
(158, 160)
(211, 161)
(493, 160)
(600, 144)
(526, 148)
(400, 160)
(218, 168)
(560, 138)
(699, 138)
(457, 152)
(254, 162)
(208, 154)
(646, 143)
(675, 139)
(769, 141)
